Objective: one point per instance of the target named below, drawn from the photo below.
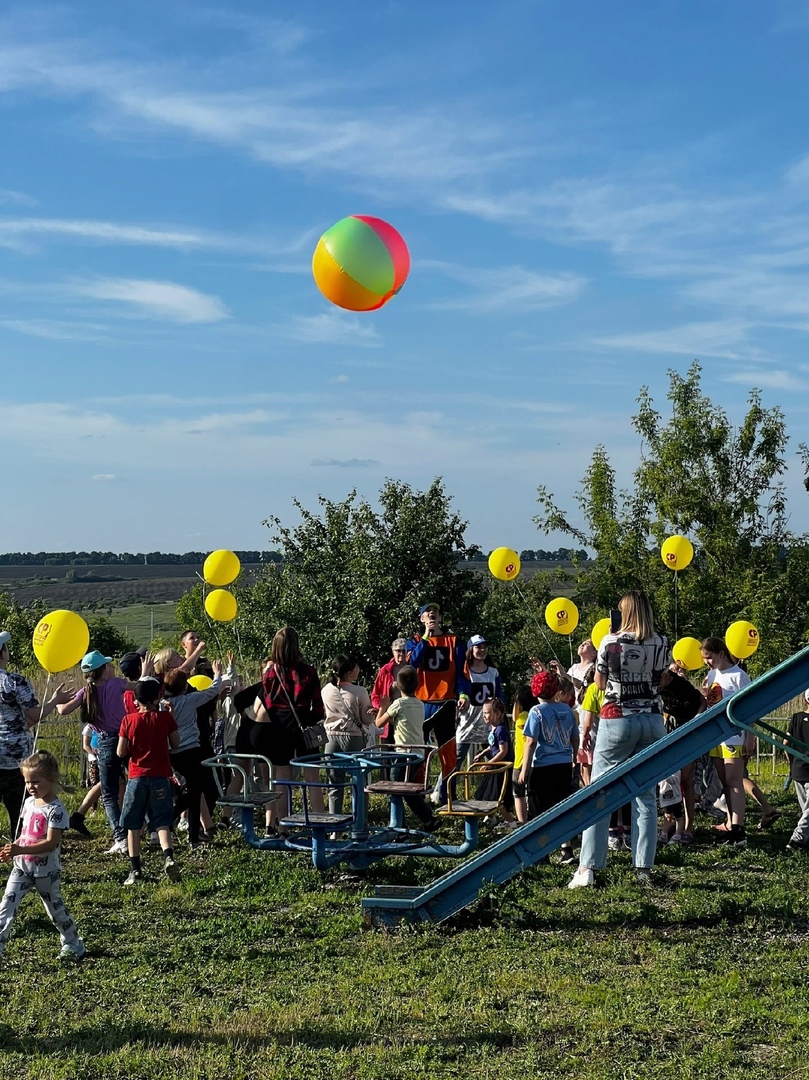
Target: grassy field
(136, 621)
(257, 966)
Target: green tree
(20, 623)
(107, 638)
(721, 486)
(353, 577)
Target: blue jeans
(617, 741)
(111, 771)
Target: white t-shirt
(36, 821)
(720, 685)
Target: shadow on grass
(108, 1039)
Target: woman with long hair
(629, 667)
(290, 701)
(348, 713)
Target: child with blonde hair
(36, 855)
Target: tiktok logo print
(481, 693)
(436, 658)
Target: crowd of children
(150, 732)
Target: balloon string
(676, 600)
(16, 824)
(537, 622)
(570, 643)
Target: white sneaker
(435, 798)
(119, 847)
(73, 952)
(615, 843)
(643, 877)
(582, 879)
(182, 825)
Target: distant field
(114, 586)
(135, 621)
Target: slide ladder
(525, 846)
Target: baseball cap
(94, 660)
(476, 639)
(545, 685)
(131, 664)
(431, 604)
(5, 638)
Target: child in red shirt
(145, 738)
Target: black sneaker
(433, 825)
(76, 823)
(796, 845)
(736, 836)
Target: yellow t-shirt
(593, 699)
(519, 740)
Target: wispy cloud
(104, 477)
(768, 380)
(344, 463)
(157, 299)
(60, 330)
(719, 338)
(15, 198)
(329, 328)
(22, 233)
(511, 288)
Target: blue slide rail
(525, 846)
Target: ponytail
(89, 704)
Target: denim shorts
(147, 795)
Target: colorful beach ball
(360, 263)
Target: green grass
(256, 966)
(135, 621)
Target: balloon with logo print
(562, 615)
(60, 640)
(504, 564)
(677, 552)
(742, 639)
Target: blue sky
(592, 194)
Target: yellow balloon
(504, 564)
(61, 639)
(221, 605)
(221, 568)
(677, 552)
(742, 639)
(200, 682)
(601, 628)
(562, 615)
(688, 653)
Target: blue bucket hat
(94, 660)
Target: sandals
(769, 819)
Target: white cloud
(104, 477)
(768, 380)
(511, 288)
(329, 328)
(20, 233)
(344, 463)
(15, 198)
(60, 330)
(719, 338)
(157, 299)
(339, 379)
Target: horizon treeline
(124, 558)
(167, 558)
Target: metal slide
(524, 847)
